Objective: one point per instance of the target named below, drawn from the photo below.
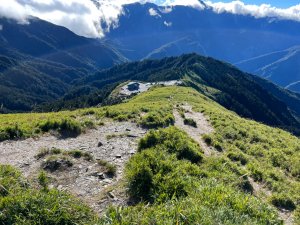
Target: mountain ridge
(39, 60)
(223, 36)
(243, 93)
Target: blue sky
(277, 3)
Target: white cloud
(168, 24)
(166, 9)
(153, 12)
(192, 3)
(82, 17)
(86, 17)
(1, 27)
(258, 11)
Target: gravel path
(203, 127)
(82, 179)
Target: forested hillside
(39, 60)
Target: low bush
(157, 120)
(110, 169)
(55, 151)
(11, 132)
(175, 141)
(245, 185)
(89, 124)
(42, 153)
(54, 163)
(283, 202)
(66, 127)
(70, 128)
(217, 145)
(211, 202)
(297, 216)
(43, 180)
(156, 176)
(75, 153)
(237, 157)
(46, 151)
(23, 204)
(190, 122)
(207, 139)
(256, 173)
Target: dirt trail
(203, 127)
(82, 179)
(261, 191)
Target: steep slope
(54, 43)
(39, 60)
(222, 82)
(280, 67)
(224, 36)
(291, 99)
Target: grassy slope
(269, 155)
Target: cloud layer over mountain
(92, 18)
(264, 10)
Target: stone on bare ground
(77, 179)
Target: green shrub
(10, 180)
(190, 122)
(45, 151)
(156, 120)
(49, 125)
(217, 145)
(65, 127)
(75, 153)
(54, 163)
(211, 202)
(173, 140)
(36, 207)
(101, 123)
(43, 180)
(156, 176)
(70, 128)
(245, 185)
(121, 118)
(25, 204)
(256, 173)
(207, 139)
(10, 133)
(110, 169)
(297, 216)
(181, 112)
(283, 202)
(55, 151)
(140, 181)
(89, 112)
(42, 153)
(237, 157)
(88, 124)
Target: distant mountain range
(39, 60)
(263, 46)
